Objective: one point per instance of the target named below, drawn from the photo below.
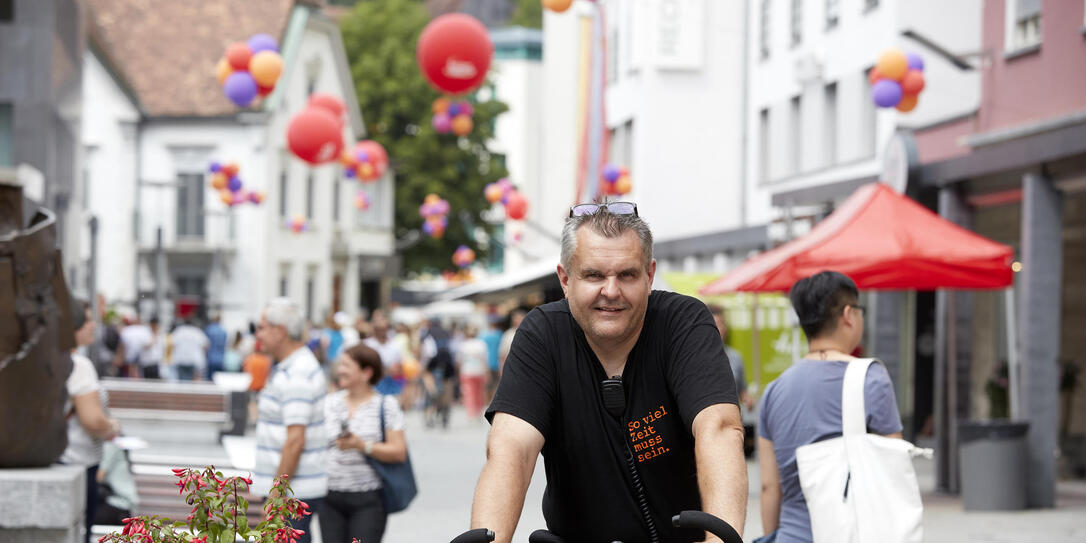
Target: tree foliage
(380, 38)
(528, 13)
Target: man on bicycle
(626, 392)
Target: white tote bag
(860, 487)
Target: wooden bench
(164, 411)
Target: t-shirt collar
(285, 364)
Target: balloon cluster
(502, 190)
(298, 224)
(557, 6)
(616, 181)
(463, 257)
(315, 134)
(361, 200)
(453, 117)
(435, 213)
(454, 53)
(896, 80)
(224, 178)
(367, 162)
(250, 69)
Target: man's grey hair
(607, 225)
(284, 312)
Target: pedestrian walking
(354, 507)
(290, 433)
(150, 359)
(383, 342)
(473, 370)
(493, 339)
(135, 338)
(804, 404)
(189, 351)
(216, 346)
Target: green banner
(777, 335)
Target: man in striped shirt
(290, 435)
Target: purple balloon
(442, 123)
(916, 62)
(442, 207)
(466, 109)
(454, 109)
(427, 228)
(254, 197)
(886, 93)
(362, 156)
(215, 167)
(263, 42)
(349, 173)
(611, 173)
(234, 184)
(240, 88)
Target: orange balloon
(432, 198)
(223, 70)
(412, 369)
(462, 125)
(493, 193)
(218, 181)
(907, 103)
(557, 6)
(366, 171)
(623, 185)
(892, 64)
(913, 82)
(441, 105)
(265, 68)
(347, 158)
(227, 197)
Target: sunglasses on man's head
(614, 208)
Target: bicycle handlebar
(478, 535)
(695, 520)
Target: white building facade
(147, 175)
(815, 134)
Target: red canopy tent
(882, 240)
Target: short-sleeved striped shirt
(293, 395)
(348, 471)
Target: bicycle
(696, 520)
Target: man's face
(269, 335)
(608, 286)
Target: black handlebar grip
(478, 535)
(543, 536)
(699, 520)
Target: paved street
(447, 464)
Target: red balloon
(315, 136)
(913, 82)
(873, 75)
(238, 55)
(454, 53)
(331, 103)
(376, 155)
(264, 91)
(517, 206)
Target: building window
(833, 13)
(1025, 16)
(6, 122)
(283, 189)
(7, 11)
(190, 205)
(284, 279)
(795, 150)
(871, 4)
(867, 117)
(797, 22)
(829, 125)
(335, 200)
(763, 144)
(763, 37)
(310, 196)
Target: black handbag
(397, 479)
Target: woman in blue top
(803, 405)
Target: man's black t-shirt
(551, 380)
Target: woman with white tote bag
(804, 406)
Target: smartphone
(343, 432)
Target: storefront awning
(882, 240)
